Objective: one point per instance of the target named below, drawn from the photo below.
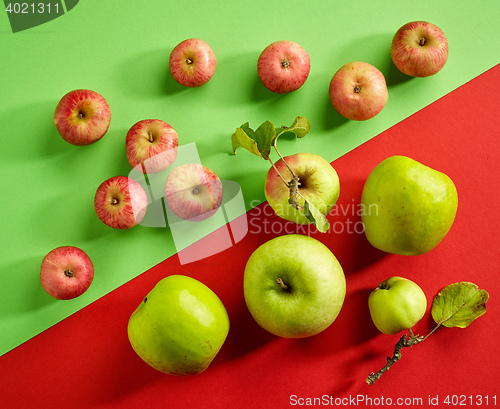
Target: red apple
(66, 272)
(151, 145)
(120, 202)
(358, 91)
(318, 183)
(283, 66)
(193, 191)
(419, 49)
(82, 117)
(192, 62)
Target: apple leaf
(316, 217)
(260, 141)
(245, 137)
(300, 128)
(458, 304)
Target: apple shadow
(393, 76)
(152, 65)
(245, 335)
(18, 280)
(41, 134)
(332, 119)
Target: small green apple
(179, 327)
(318, 184)
(396, 304)
(408, 208)
(294, 286)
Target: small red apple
(283, 66)
(193, 191)
(419, 49)
(192, 62)
(82, 117)
(120, 202)
(151, 145)
(66, 272)
(358, 91)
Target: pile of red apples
(357, 91)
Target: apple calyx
(357, 89)
(285, 63)
(68, 273)
(260, 142)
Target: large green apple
(396, 304)
(318, 183)
(294, 287)
(408, 208)
(179, 327)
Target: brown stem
(68, 273)
(150, 136)
(282, 284)
(404, 342)
(421, 41)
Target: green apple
(396, 304)
(294, 286)
(318, 183)
(179, 327)
(408, 208)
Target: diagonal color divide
(26, 15)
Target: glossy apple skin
(315, 283)
(82, 117)
(66, 272)
(120, 202)
(283, 66)
(193, 191)
(151, 145)
(416, 59)
(396, 304)
(319, 185)
(408, 207)
(179, 327)
(192, 62)
(358, 91)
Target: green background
(120, 49)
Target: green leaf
(316, 217)
(259, 142)
(457, 305)
(241, 138)
(300, 128)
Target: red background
(86, 361)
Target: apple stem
(404, 342)
(189, 61)
(282, 284)
(421, 41)
(150, 136)
(293, 185)
(68, 273)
